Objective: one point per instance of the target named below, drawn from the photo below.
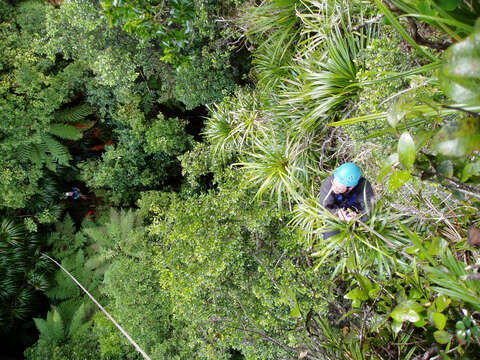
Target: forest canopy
(171, 155)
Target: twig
(422, 41)
(446, 352)
(475, 114)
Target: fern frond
(23, 153)
(64, 289)
(65, 131)
(74, 114)
(68, 308)
(36, 155)
(58, 151)
(77, 320)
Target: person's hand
(346, 215)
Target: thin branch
(475, 114)
(138, 348)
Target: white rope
(139, 349)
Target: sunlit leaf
(439, 320)
(295, 312)
(396, 326)
(458, 138)
(460, 74)
(397, 179)
(470, 170)
(407, 311)
(442, 302)
(387, 166)
(398, 110)
(406, 150)
(442, 337)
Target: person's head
(345, 178)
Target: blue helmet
(348, 174)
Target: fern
(78, 320)
(58, 151)
(52, 329)
(74, 114)
(49, 152)
(65, 131)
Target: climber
(347, 195)
(75, 194)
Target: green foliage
(24, 273)
(453, 17)
(33, 88)
(209, 270)
(458, 76)
(169, 23)
(205, 79)
(126, 169)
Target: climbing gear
(348, 174)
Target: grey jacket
(360, 199)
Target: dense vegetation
(199, 132)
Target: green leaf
(439, 320)
(460, 325)
(398, 109)
(472, 169)
(436, 246)
(397, 179)
(442, 302)
(387, 166)
(357, 294)
(460, 73)
(445, 168)
(296, 311)
(458, 138)
(442, 337)
(420, 323)
(407, 311)
(396, 326)
(406, 150)
(414, 294)
(447, 5)
(65, 131)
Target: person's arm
(327, 196)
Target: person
(346, 194)
(75, 194)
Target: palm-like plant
(233, 123)
(273, 19)
(24, 273)
(321, 85)
(375, 244)
(271, 166)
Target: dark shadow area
(235, 354)
(25, 334)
